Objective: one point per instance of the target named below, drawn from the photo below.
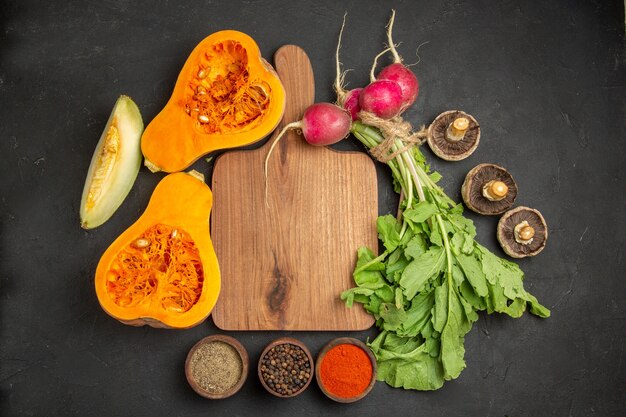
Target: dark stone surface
(545, 80)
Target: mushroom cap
(472, 189)
(506, 234)
(453, 151)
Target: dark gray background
(545, 80)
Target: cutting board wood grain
(285, 261)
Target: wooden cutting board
(284, 264)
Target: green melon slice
(114, 165)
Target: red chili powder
(346, 371)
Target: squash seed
(141, 243)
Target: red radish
(324, 124)
(321, 124)
(383, 98)
(351, 102)
(397, 73)
(405, 78)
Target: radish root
(290, 126)
(373, 70)
(340, 76)
(392, 46)
(419, 58)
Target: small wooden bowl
(322, 354)
(243, 354)
(283, 341)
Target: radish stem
(408, 198)
(409, 161)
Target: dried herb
(216, 367)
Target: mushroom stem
(495, 190)
(524, 233)
(456, 130)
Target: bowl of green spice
(217, 366)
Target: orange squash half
(163, 271)
(226, 96)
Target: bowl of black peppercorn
(286, 367)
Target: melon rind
(118, 183)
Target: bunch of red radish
(393, 91)
(387, 96)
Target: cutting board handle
(294, 69)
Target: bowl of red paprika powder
(345, 370)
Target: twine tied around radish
(393, 130)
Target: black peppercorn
(285, 369)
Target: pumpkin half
(226, 96)
(163, 271)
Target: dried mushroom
(454, 135)
(522, 232)
(489, 189)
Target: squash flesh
(114, 165)
(223, 97)
(164, 269)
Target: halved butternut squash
(163, 271)
(226, 96)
